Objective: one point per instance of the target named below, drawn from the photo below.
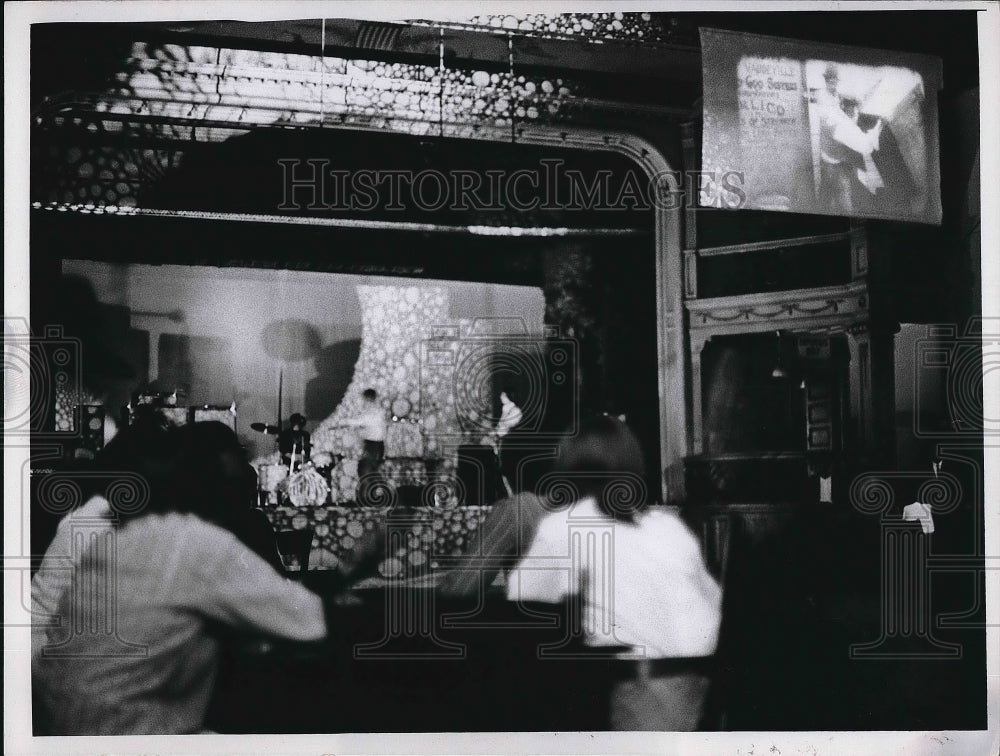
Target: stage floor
(417, 538)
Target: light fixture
(779, 370)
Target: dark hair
(604, 460)
(202, 471)
(369, 394)
(297, 419)
(133, 470)
(211, 472)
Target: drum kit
(302, 481)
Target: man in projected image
(847, 169)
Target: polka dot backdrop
(198, 93)
(99, 179)
(427, 535)
(645, 28)
(410, 349)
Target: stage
(416, 538)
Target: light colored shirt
(140, 657)
(922, 513)
(642, 584)
(510, 416)
(371, 424)
(55, 574)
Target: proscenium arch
(671, 349)
(674, 414)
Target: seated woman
(219, 476)
(143, 446)
(143, 658)
(640, 576)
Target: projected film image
(869, 154)
(848, 132)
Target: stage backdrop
(221, 335)
(810, 128)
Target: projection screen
(826, 129)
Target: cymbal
(271, 430)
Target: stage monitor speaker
(220, 414)
(478, 475)
(172, 416)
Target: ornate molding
(209, 94)
(765, 246)
(690, 274)
(675, 414)
(832, 308)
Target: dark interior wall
(602, 295)
(747, 410)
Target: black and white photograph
(474, 378)
(868, 139)
(861, 123)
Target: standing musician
(510, 418)
(371, 425)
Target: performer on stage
(510, 418)
(371, 425)
(295, 437)
(510, 414)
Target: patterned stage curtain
(395, 322)
(432, 533)
(404, 439)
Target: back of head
(211, 472)
(605, 461)
(135, 468)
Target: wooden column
(873, 394)
(697, 419)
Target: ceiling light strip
(351, 223)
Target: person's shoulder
(96, 507)
(555, 519)
(551, 522)
(198, 533)
(666, 520)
